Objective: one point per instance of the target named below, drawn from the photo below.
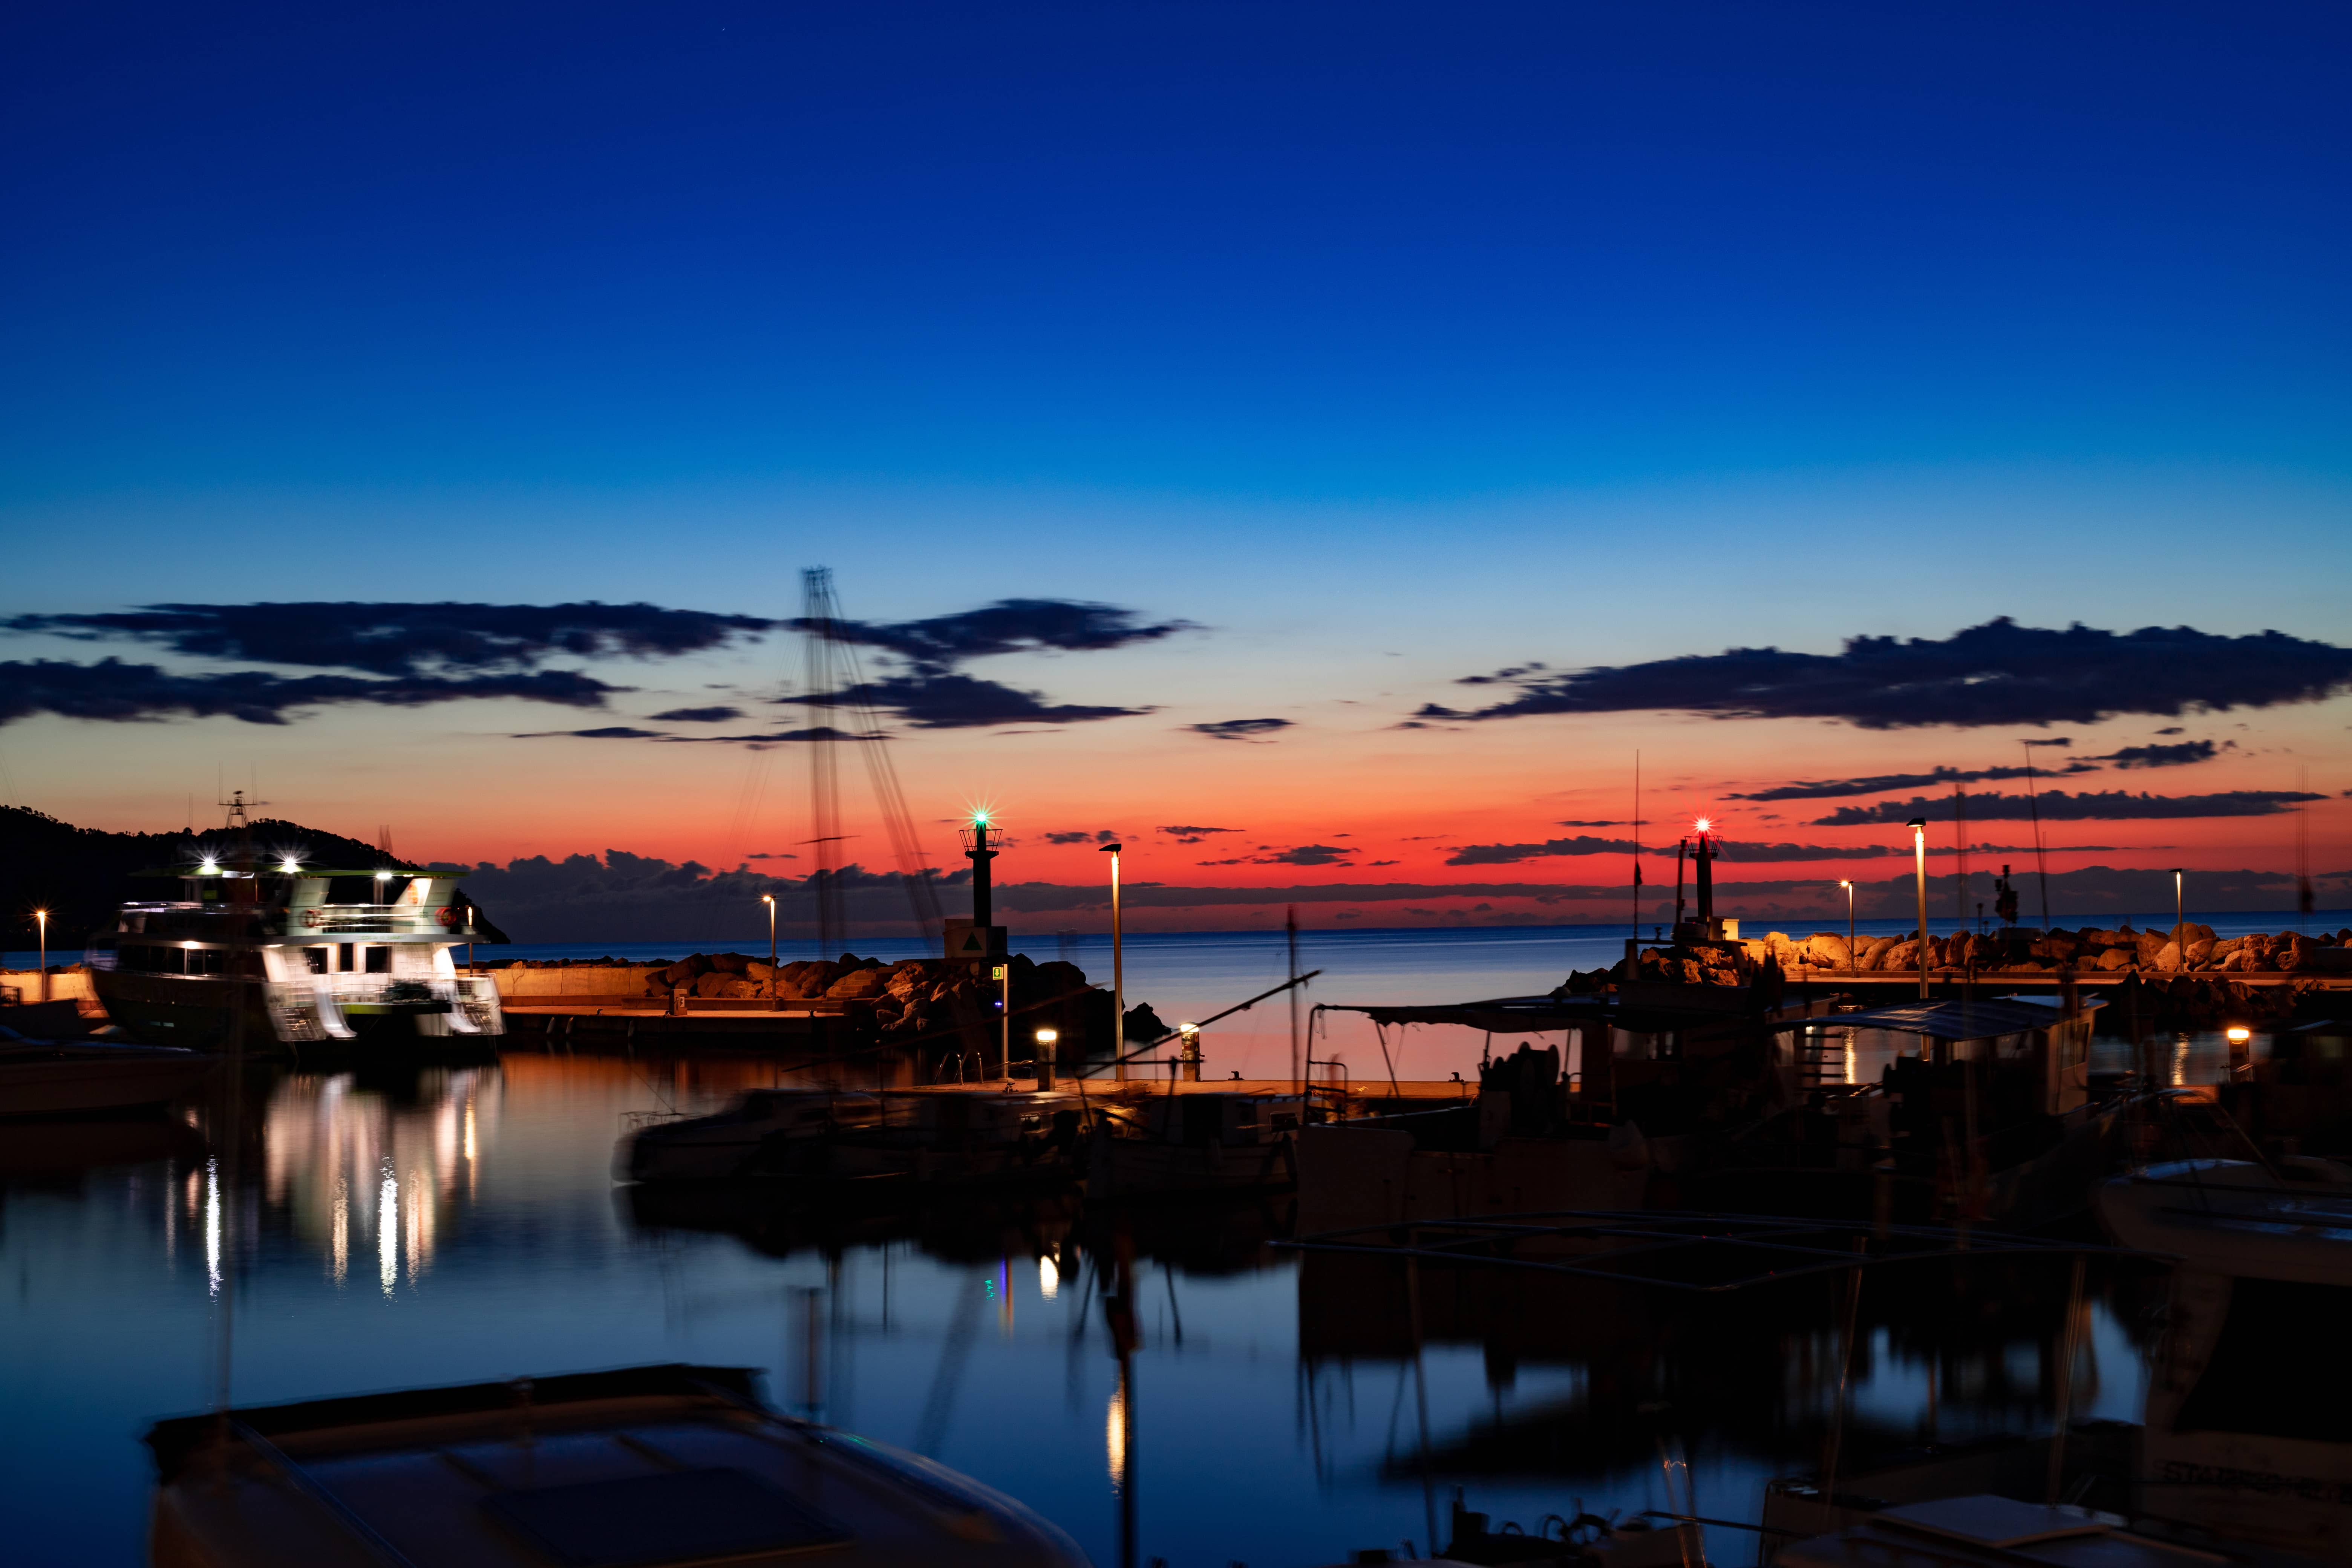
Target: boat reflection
(375, 1170)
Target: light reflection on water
(1274, 1413)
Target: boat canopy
(1500, 1015)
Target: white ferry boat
(307, 955)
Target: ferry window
(316, 957)
(379, 961)
(344, 957)
(208, 960)
(2281, 1368)
(364, 889)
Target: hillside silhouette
(80, 873)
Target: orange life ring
(312, 918)
(450, 915)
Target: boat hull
(79, 1081)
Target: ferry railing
(367, 919)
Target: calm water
(458, 1223)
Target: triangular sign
(972, 942)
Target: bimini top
(1942, 1020)
(1499, 1015)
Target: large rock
(1901, 955)
(857, 984)
(1828, 950)
(807, 979)
(2115, 958)
(1875, 951)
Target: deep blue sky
(1360, 251)
(1389, 345)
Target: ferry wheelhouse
(307, 956)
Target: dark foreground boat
(632, 1468)
(67, 1077)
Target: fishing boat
(632, 1468)
(67, 1077)
(928, 1139)
(276, 955)
(1239, 1141)
(765, 1130)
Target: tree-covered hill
(80, 873)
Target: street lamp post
(770, 900)
(1918, 825)
(1852, 959)
(41, 923)
(2179, 922)
(1117, 975)
(1047, 1039)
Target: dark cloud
(771, 855)
(119, 692)
(698, 715)
(609, 732)
(2057, 805)
(1597, 823)
(1239, 728)
(407, 640)
(940, 699)
(2171, 756)
(2175, 729)
(1195, 835)
(1998, 673)
(1370, 864)
(1008, 626)
(1102, 835)
(779, 737)
(1882, 783)
(1308, 854)
(1511, 854)
(1758, 854)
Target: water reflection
(458, 1223)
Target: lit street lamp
(1117, 976)
(41, 923)
(1046, 1040)
(2180, 937)
(1852, 959)
(770, 900)
(1919, 826)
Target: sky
(1188, 401)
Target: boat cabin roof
(1965, 1532)
(632, 1468)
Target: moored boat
(286, 955)
(65, 1078)
(639, 1466)
(765, 1129)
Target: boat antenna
(836, 681)
(2033, 809)
(1637, 846)
(2306, 898)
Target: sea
(394, 1229)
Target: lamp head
(1112, 850)
(1047, 1036)
(1703, 824)
(2239, 1033)
(1847, 886)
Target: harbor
(1176, 786)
